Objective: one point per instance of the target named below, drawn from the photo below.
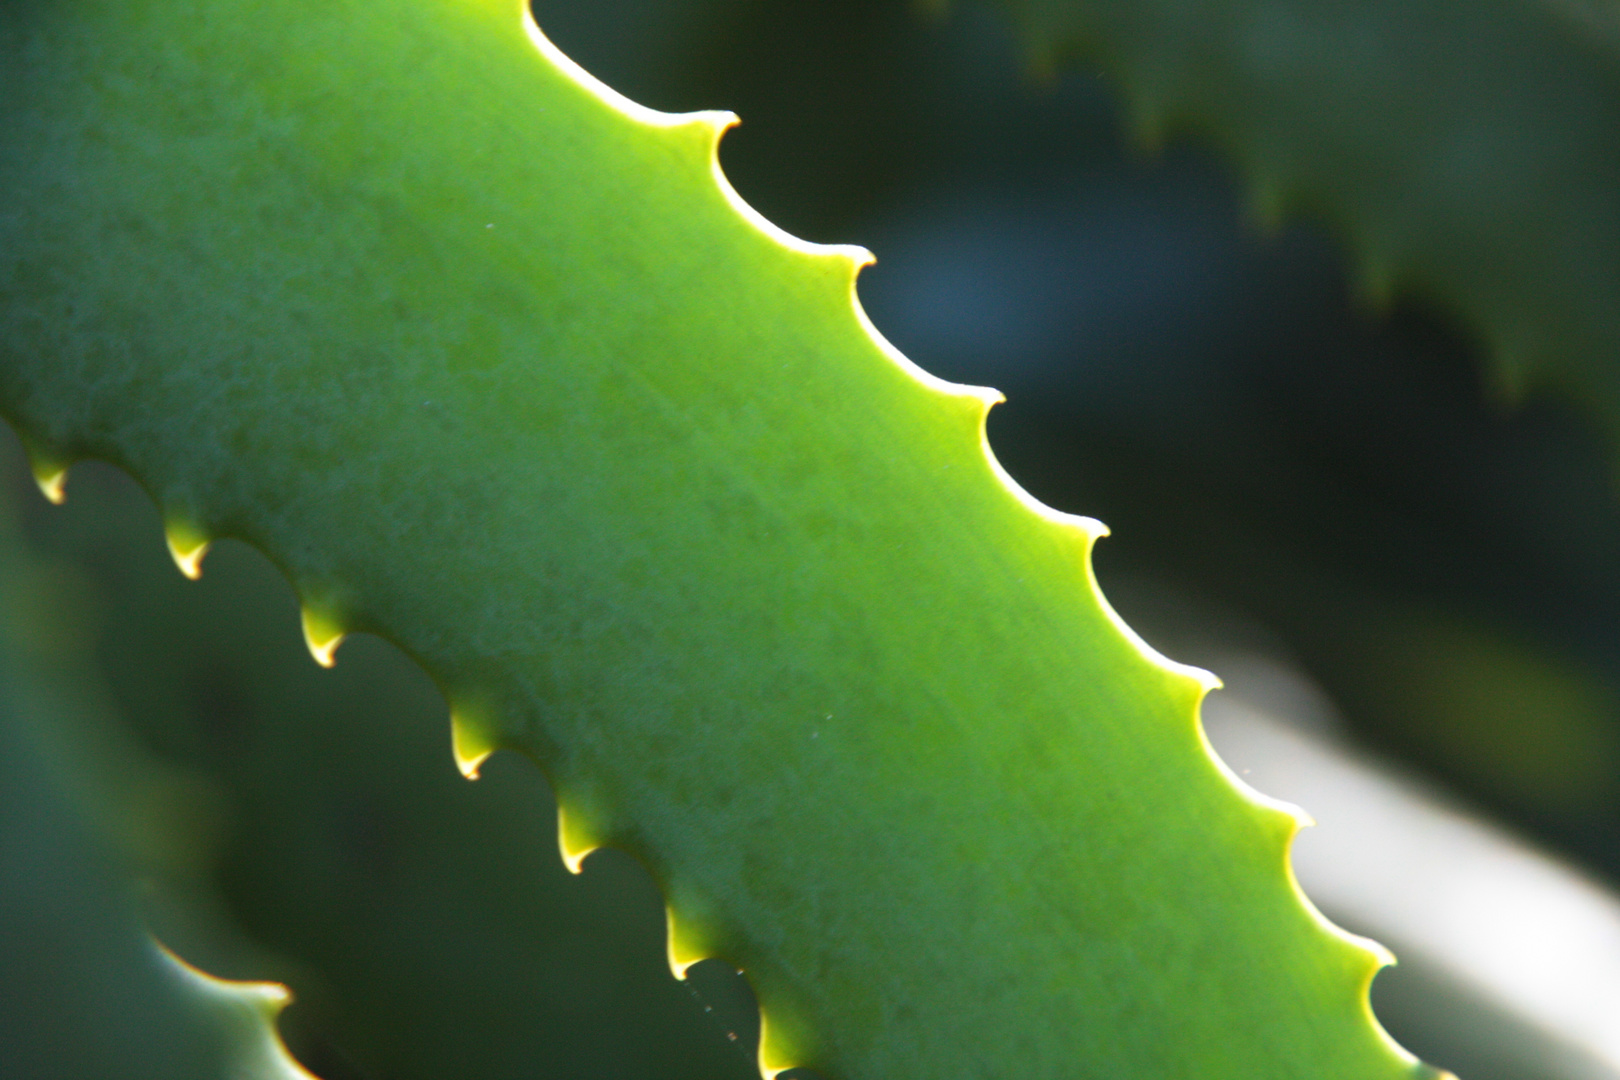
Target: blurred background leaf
(85, 815)
(1465, 152)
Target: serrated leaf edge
(257, 1004)
(474, 734)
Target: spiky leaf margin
(493, 363)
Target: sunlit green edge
(250, 1010)
(787, 1042)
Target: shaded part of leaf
(88, 991)
(424, 922)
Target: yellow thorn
(470, 743)
(52, 479)
(772, 1062)
(323, 636)
(681, 957)
(187, 546)
(570, 841)
(269, 998)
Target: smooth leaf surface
(491, 364)
(88, 991)
(1467, 151)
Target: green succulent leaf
(89, 992)
(425, 923)
(1467, 150)
(493, 364)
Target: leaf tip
(269, 997)
(187, 546)
(262, 1053)
(51, 471)
(718, 119)
(683, 948)
(322, 635)
(52, 483)
(574, 841)
(471, 743)
(778, 1051)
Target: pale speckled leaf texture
(492, 364)
(1468, 152)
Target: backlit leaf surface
(492, 364)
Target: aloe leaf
(425, 924)
(88, 991)
(1466, 151)
(493, 364)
